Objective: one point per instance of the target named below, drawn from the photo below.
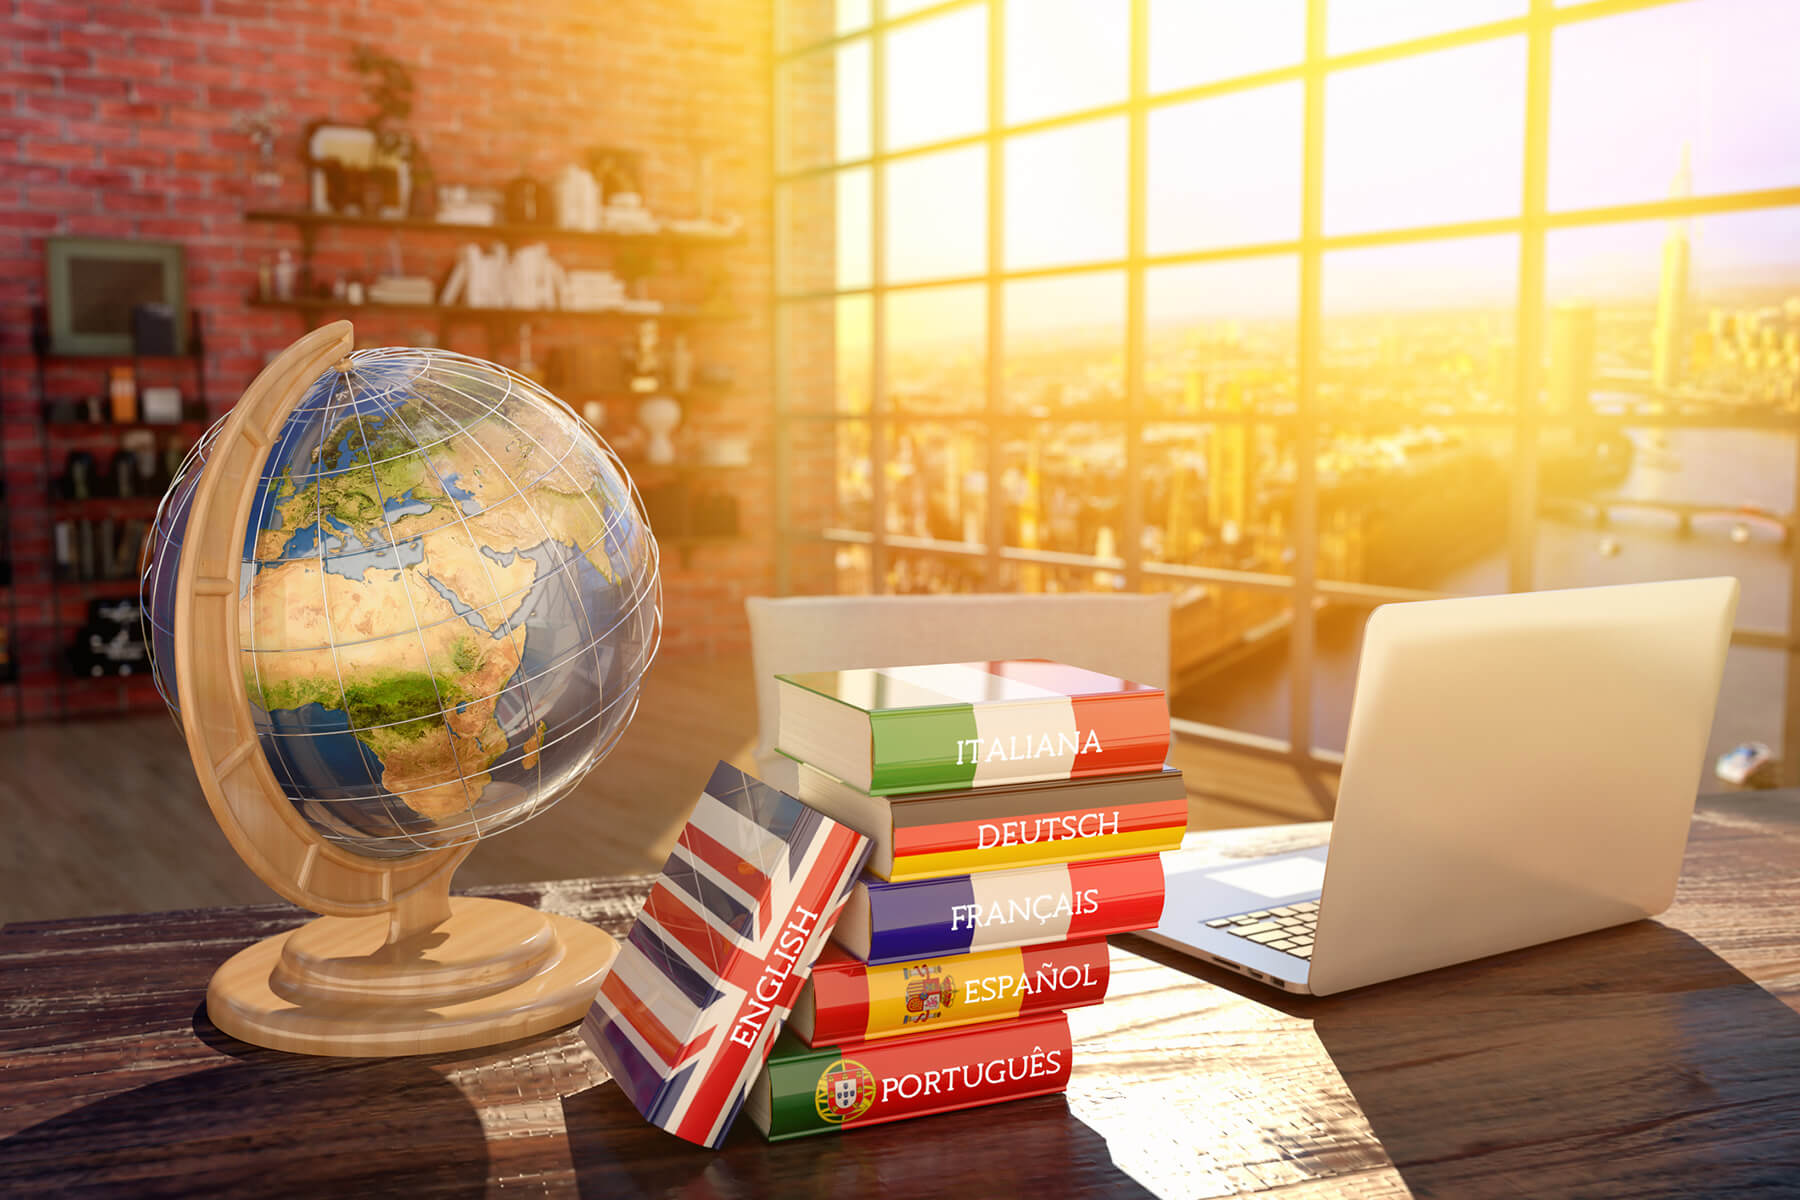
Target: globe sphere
(449, 597)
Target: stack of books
(1016, 810)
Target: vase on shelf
(659, 415)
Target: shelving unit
(71, 693)
(683, 495)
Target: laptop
(1519, 768)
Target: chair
(1126, 636)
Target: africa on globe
(447, 600)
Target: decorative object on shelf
(527, 202)
(285, 276)
(681, 365)
(617, 171)
(153, 333)
(659, 415)
(593, 291)
(349, 173)
(112, 641)
(643, 361)
(121, 392)
(401, 289)
(458, 204)
(94, 286)
(577, 200)
(161, 405)
(398, 966)
(259, 127)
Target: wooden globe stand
(396, 965)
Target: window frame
(1531, 225)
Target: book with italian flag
(970, 725)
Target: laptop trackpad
(1275, 877)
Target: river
(1726, 467)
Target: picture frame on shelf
(348, 172)
(94, 287)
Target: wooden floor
(106, 817)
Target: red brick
(57, 104)
(43, 56)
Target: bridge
(1600, 511)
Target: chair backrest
(1121, 635)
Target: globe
(448, 598)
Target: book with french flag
(905, 935)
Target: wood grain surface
(1657, 1059)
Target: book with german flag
(927, 835)
(806, 1090)
(951, 726)
(993, 910)
(844, 1000)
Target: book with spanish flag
(846, 1000)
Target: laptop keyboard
(1288, 928)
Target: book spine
(868, 1083)
(857, 1002)
(1037, 839)
(997, 909)
(964, 745)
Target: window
(1291, 309)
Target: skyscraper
(1669, 341)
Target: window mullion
(1305, 517)
(996, 296)
(1132, 536)
(878, 380)
(1528, 339)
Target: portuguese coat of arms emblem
(845, 1092)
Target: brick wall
(119, 120)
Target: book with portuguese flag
(953, 726)
(806, 1090)
(844, 1000)
(927, 835)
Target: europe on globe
(446, 601)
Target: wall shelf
(496, 316)
(311, 222)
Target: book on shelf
(690, 1006)
(924, 835)
(928, 918)
(969, 725)
(806, 1090)
(845, 1000)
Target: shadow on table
(261, 1123)
(1022, 1148)
(1630, 1062)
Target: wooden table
(1662, 1058)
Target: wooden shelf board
(503, 232)
(500, 315)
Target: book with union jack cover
(845, 1000)
(687, 1012)
(805, 1089)
(969, 725)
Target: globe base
(490, 972)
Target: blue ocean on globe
(447, 601)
